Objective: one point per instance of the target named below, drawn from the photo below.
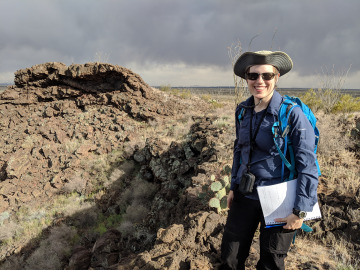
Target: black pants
(243, 219)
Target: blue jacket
(266, 162)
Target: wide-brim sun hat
(278, 59)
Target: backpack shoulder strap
(285, 110)
(241, 115)
(240, 118)
(281, 129)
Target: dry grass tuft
(339, 166)
(341, 173)
(50, 254)
(307, 253)
(53, 250)
(334, 133)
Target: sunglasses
(267, 76)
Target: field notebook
(277, 201)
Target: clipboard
(277, 201)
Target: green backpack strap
(306, 228)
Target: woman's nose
(260, 78)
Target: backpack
(281, 129)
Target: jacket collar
(274, 105)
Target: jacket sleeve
(302, 137)
(236, 151)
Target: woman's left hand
(292, 221)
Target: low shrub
(165, 88)
(215, 104)
(329, 98)
(104, 223)
(330, 101)
(347, 104)
(206, 97)
(183, 94)
(311, 99)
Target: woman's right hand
(230, 198)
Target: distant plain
(229, 90)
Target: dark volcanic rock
(57, 123)
(106, 251)
(57, 118)
(88, 84)
(80, 260)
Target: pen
(275, 225)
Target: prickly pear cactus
(219, 189)
(215, 193)
(227, 169)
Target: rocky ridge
(51, 108)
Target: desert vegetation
(142, 200)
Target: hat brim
(278, 59)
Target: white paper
(277, 201)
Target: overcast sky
(183, 42)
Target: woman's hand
(292, 221)
(230, 198)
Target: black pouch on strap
(247, 183)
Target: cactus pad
(223, 202)
(227, 169)
(216, 186)
(214, 202)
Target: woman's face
(260, 88)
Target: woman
(257, 159)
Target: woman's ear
(277, 77)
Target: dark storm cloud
(314, 33)
(323, 35)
